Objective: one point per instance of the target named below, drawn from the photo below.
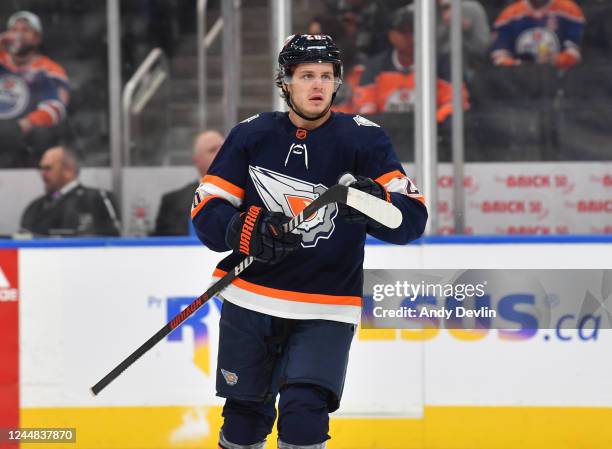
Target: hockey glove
(259, 233)
(370, 187)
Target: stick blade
(383, 212)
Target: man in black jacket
(173, 215)
(68, 208)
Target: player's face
(311, 87)
(27, 38)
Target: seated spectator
(173, 216)
(475, 28)
(363, 20)
(33, 92)
(539, 31)
(388, 82)
(68, 208)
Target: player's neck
(299, 122)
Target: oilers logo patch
(401, 100)
(14, 96)
(282, 193)
(230, 378)
(540, 42)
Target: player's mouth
(316, 98)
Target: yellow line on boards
(440, 428)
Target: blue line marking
(193, 241)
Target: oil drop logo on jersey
(282, 193)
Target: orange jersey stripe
(384, 179)
(41, 118)
(512, 12)
(388, 177)
(224, 185)
(521, 9)
(419, 198)
(568, 9)
(290, 295)
(50, 67)
(199, 207)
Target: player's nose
(317, 83)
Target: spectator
(475, 27)
(363, 20)
(539, 31)
(173, 215)
(68, 208)
(33, 92)
(388, 83)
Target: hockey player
(288, 321)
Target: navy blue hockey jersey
(538, 35)
(266, 161)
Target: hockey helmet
(302, 48)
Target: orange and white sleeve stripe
(215, 187)
(397, 182)
(49, 113)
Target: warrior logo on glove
(259, 233)
(247, 229)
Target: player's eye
(307, 77)
(327, 77)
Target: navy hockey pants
(260, 356)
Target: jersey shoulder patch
(250, 119)
(362, 121)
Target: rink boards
(81, 309)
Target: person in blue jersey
(288, 321)
(540, 32)
(34, 93)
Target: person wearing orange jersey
(34, 92)
(539, 31)
(388, 82)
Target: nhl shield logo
(230, 378)
(282, 193)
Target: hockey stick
(381, 211)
